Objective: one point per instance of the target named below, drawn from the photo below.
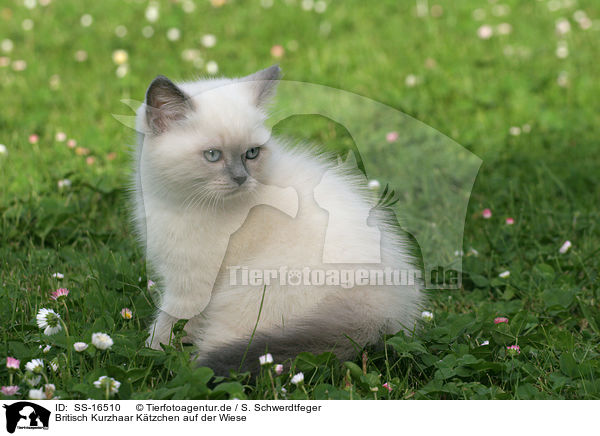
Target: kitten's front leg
(161, 330)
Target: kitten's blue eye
(212, 155)
(252, 153)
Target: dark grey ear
(165, 103)
(263, 84)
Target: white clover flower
(148, 31)
(411, 80)
(80, 346)
(58, 275)
(504, 28)
(585, 24)
(307, 5)
(504, 274)
(54, 365)
(121, 31)
(212, 67)
(563, 79)
(514, 131)
(121, 72)
(105, 382)
(37, 394)
(320, 7)
(188, 6)
(152, 12)
(278, 369)
(19, 65)
(101, 341)
(49, 390)
(32, 380)
(478, 14)
(27, 24)
(46, 349)
(81, 55)
(565, 247)
(173, 34)
(266, 359)
(209, 40)
(485, 31)
(426, 315)
(484, 343)
(120, 57)
(554, 5)
(298, 378)
(35, 366)
(65, 183)
(48, 320)
(579, 15)
(563, 26)
(7, 45)
(86, 20)
(562, 50)
(191, 54)
(3, 149)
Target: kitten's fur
(187, 206)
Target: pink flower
(500, 320)
(9, 390)
(126, 313)
(485, 32)
(278, 369)
(12, 363)
(277, 51)
(510, 221)
(61, 292)
(513, 349)
(388, 387)
(33, 138)
(565, 247)
(486, 213)
(71, 143)
(391, 136)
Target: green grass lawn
(526, 100)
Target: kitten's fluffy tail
(336, 329)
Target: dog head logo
(26, 415)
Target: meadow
(513, 82)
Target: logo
(26, 415)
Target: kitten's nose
(240, 179)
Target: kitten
(217, 197)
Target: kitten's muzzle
(240, 179)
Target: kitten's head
(205, 142)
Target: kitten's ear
(263, 84)
(165, 103)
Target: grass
(470, 89)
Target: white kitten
(217, 196)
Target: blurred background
(498, 77)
